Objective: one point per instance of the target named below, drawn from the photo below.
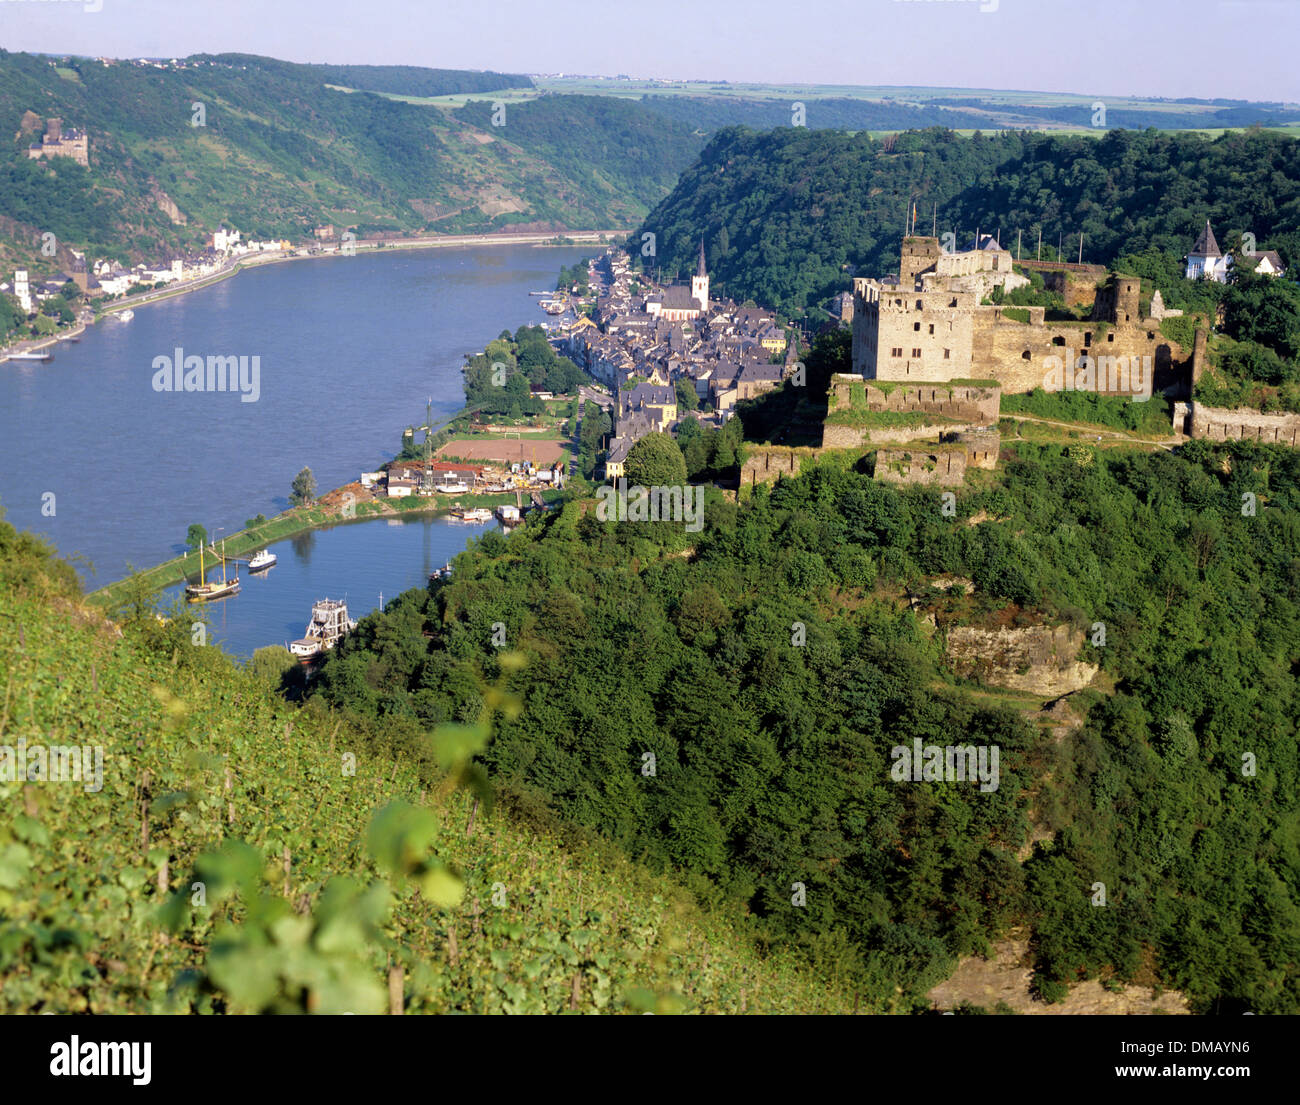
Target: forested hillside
(242, 855)
(280, 151)
(788, 214)
(768, 665)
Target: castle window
(947, 354)
(1110, 337)
(918, 304)
(896, 352)
(1058, 340)
(1025, 356)
(954, 302)
(916, 326)
(1087, 339)
(916, 353)
(932, 327)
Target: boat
(39, 355)
(204, 591)
(509, 514)
(262, 560)
(441, 573)
(552, 306)
(451, 488)
(476, 514)
(127, 315)
(329, 623)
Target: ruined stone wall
(1244, 424)
(916, 466)
(1015, 354)
(766, 463)
(982, 447)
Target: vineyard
(246, 855)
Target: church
(676, 303)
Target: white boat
(476, 514)
(329, 622)
(127, 315)
(261, 560)
(451, 488)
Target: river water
(114, 471)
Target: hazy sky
(1243, 49)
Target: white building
(1207, 260)
(23, 291)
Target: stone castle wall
(767, 463)
(1242, 424)
(944, 467)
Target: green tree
(655, 461)
(195, 536)
(304, 488)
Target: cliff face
(1037, 659)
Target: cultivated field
(507, 450)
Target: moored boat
(262, 560)
(329, 623)
(203, 591)
(475, 514)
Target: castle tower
(918, 255)
(700, 281)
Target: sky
(1238, 49)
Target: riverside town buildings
(655, 345)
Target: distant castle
(56, 142)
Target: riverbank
(294, 522)
(373, 245)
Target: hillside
(245, 855)
(788, 214)
(775, 662)
(283, 149)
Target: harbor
(354, 564)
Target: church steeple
(700, 282)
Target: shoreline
(293, 523)
(373, 245)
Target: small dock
(40, 355)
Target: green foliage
(501, 378)
(303, 491)
(1180, 328)
(1152, 417)
(231, 861)
(196, 536)
(784, 211)
(655, 460)
(772, 761)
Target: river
(114, 471)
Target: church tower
(700, 282)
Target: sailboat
(204, 591)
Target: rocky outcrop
(1036, 659)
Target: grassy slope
(80, 890)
